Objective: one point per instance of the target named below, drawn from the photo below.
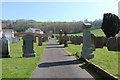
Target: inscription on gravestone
(28, 46)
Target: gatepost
(87, 48)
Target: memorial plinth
(87, 48)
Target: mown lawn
(97, 32)
(17, 66)
(107, 60)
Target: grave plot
(21, 67)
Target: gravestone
(78, 40)
(87, 48)
(99, 42)
(4, 45)
(15, 40)
(93, 41)
(65, 39)
(112, 44)
(73, 39)
(105, 41)
(118, 42)
(60, 40)
(19, 38)
(34, 39)
(28, 46)
(40, 41)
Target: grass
(97, 32)
(17, 66)
(107, 60)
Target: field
(107, 60)
(17, 66)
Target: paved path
(57, 63)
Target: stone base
(87, 55)
(29, 55)
(65, 45)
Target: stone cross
(87, 48)
(4, 47)
(28, 46)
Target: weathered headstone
(87, 48)
(15, 40)
(34, 39)
(78, 40)
(65, 39)
(93, 41)
(99, 42)
(105, 41)
(60, 41)
(4, 45)
(112, 44)
(118, 42)
(19, 38)
(28, 46)
(40, 41)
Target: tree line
(48, 27)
